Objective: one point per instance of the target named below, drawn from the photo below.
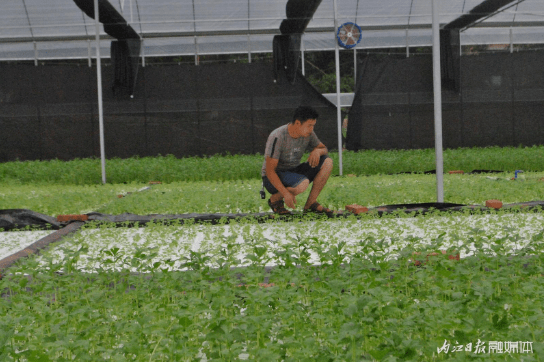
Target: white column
(35, 54)
(302, 55)
(89, 53)
(407, 44)
(355, 66)
(99, 85)
(338, 105)
(437, 85)
(511, 41)
(249, 48)
(142, 46)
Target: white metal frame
(99, 88)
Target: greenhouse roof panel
(13, 19)
(62, 20)
(160, 17)
(70, 21)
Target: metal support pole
(302, 55)
(90, 57)
(338, 105)
(355, 66)
(35, 54)
(249, 48)
(511, 41)
(143, 52)
(407, 45)
(437, 85)
(197, 60)
(99, 85)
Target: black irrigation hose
(125, 220)
(130, 220)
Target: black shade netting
(499, 99)
(51, 111)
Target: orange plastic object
(443, 252)
(356, 209)
(456, 171)
(454, 257)
(495, 204)
(64, 218)
(155, 182)
(450, 257)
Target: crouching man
(284, 176)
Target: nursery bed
(175, 246)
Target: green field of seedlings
(440, 286)
(242, 196)
(359, 304)
(246, 167)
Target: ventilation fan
(349, 35)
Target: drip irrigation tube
(129, 220)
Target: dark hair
(304, 113)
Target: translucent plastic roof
(48, 29)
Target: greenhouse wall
(51, 111)
(500, 102)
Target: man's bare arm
(274, 179)
(271, 164)
(316, 153)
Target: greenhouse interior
(176, 74)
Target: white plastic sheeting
(58, 29)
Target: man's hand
(315, 155)
(289, 200)
(313, 159)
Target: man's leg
(319, 182)
(300, 188)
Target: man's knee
(327, 164)
(301, 187)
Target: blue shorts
(293, 177)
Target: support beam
(35, 54)
(302, 60)
(143, 53)
(407, 44)
(338, 107)
(89, 52)
(511, 41)
(355, 66)
(437, 86)
(481, 11)
(99, 88)
(191, 33)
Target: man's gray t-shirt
(286, 149)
